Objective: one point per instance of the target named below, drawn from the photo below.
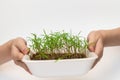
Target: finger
(99, 51)
(91, 46)
(22, 45)
(16, 54)
(92, 42)
(22, 64)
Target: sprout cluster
(58, 42)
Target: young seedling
(58, 45)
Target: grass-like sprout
(58, 45)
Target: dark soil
(55, 56)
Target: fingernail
(92, 49)
(26, 50)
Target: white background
(19, 18)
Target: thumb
(22, 64)
(99, 51)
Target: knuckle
(19, 39)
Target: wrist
(7, 47)
(109, 37)
(5, 52)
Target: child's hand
(95, 40)
(18, 50)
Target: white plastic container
(60, 68)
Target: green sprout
(62, 45)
